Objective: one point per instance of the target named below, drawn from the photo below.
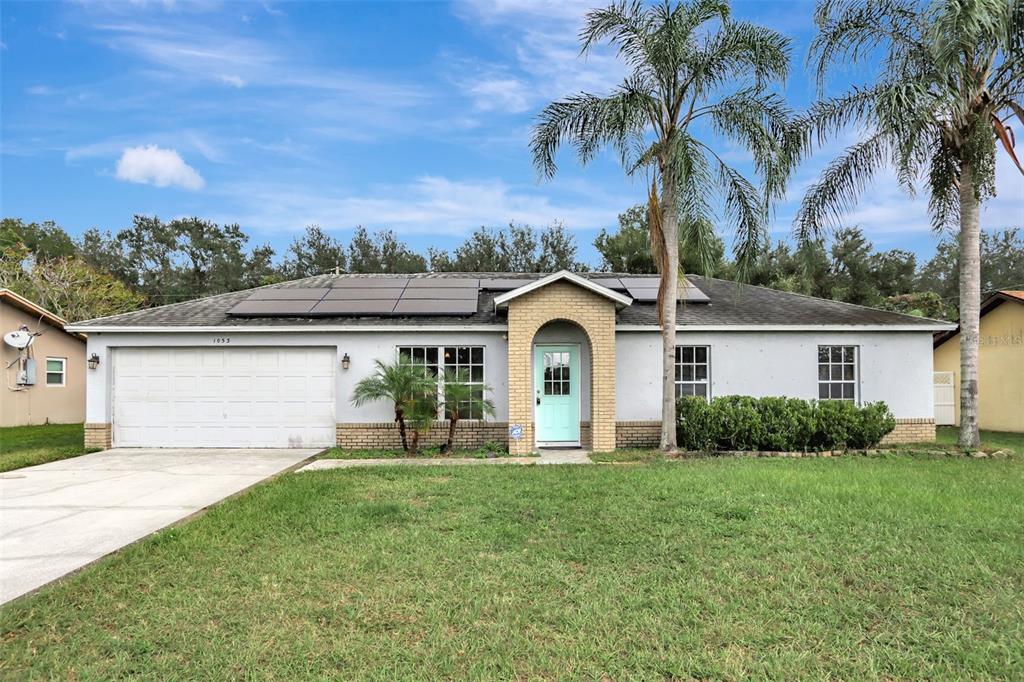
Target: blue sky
(412, 116)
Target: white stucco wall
(363, 349)
(895, 367)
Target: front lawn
(990, 440)
(847, 568)
(22, 446)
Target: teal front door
(556, 383)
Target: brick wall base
(98, 436)
(911, 431)
(637, 434)
(384, 435)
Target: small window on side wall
(55, 371)
(837, 373)
(693, 371)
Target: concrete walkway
(57, 517)
(575, 456)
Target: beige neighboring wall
(40, 403)
(1000, 367)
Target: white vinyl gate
(945, 398)
(223, 397)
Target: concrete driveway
(58, 517)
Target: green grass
(846, 568)
(990, 440)
(22, 446)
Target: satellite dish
(18, 339)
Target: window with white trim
(837, 373)
(55, 371)
(466, 361)
(693, 371)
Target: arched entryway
(540, 313)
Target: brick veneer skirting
(911, 431)
(383, 435)
(638, 434)
(97, 436)
(647, 434)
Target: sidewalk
(575, 456)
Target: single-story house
(1000, 366)
(44, 382)
(568, 359)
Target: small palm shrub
(779, 424)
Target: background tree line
(155, 262)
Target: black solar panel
(503, 284)
(362, 294)
(335, 307)
(435, 307)
(370, 282)
(444, 283)
(252, 308)
(609, 282)
(441, 294)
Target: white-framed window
(56, 369)
(693, 371)
(837, 373)
(466, 361)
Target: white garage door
(223, 397)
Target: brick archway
(595, 315)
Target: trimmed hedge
(779, 424)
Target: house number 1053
(222, 339)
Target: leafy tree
(179, 260)
(67, 285)
(314, 253)
(629, 248)
(409, 387)
(894, 272)
(517, 248)
(950, 71)
(382, 252)
(1002, 265)
(45, 240)
(694, 71)
(921, 304)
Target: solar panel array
(645, 289)
(410, 296)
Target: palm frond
(841, 184)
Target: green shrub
(779, 424)
(693, 424)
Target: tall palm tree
(696, 76)
(950, 77)
(409, 387)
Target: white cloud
(152, 165)
(499, 94)
(426, 205)
(40, 90)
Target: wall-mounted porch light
(345, 361)
(94, 361)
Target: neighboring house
(53, 387)
(1000, 364)
(570, 359)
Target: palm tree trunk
(400, 419)
(670, 277)
(414, 445)
(452, 421)
(970, 305)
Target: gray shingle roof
(731, 304)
